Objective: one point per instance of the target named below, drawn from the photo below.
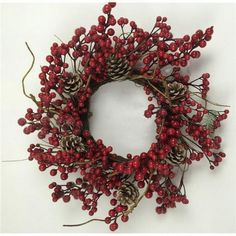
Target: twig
(86, 222)
(156, 89)
(30, 96)
(88, 81)
(58, 38)
(213, 103)
(26, 159)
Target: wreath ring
(185, 126)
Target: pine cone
(72, 142)
(127, 194)
(177, 154)
(118, 69)
(176, 91)
(72, 84)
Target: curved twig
(30, 96)
(86, 222)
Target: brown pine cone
(72, 142)
(127, 194)
(177, 154)
(177, 91)
(118, 69)
(72, 84)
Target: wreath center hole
(118, 118)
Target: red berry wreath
(184, 125)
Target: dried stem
(206, 100)
(157, 89)
(26, 159)
(30, 96)
(166, 91)
(58, 38)
(86, 222)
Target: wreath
(185, 125)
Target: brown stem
(88, 161)
(26, 159)
(86, 222)
(206, 100)
(88, 81)
(58, 38)
(30, 96)
(166, 91)
(192, 141)
(157, 89)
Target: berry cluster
(185, 127)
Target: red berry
(64, 176)
(124, 218)
(163, 112)
(133, 25)
(22, 121)
(113, 226)
(158, 210)
(112, 4)
(112, 213)
(66, 198)
(110, 32)
(53, 172)
(106, 9)
(42, 167)
(185, 201)
(78, 32)
(158, 18)
(112, 21)
(108, 220)
(202, 43)
(173, 47)
(147, 113)
(186, 38)
(148, 194)
(49, 58)
(52, 185)
(45, 69)
(102, 20)
(109, 149)
(120, 21)
(113, 202)
(164, 19)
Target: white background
(118, 110)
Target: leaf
(208, 120)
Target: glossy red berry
(113, 226)
(22, 121)
(106, 9)
(124, 218)
(102, 20)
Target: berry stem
(58, 38)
